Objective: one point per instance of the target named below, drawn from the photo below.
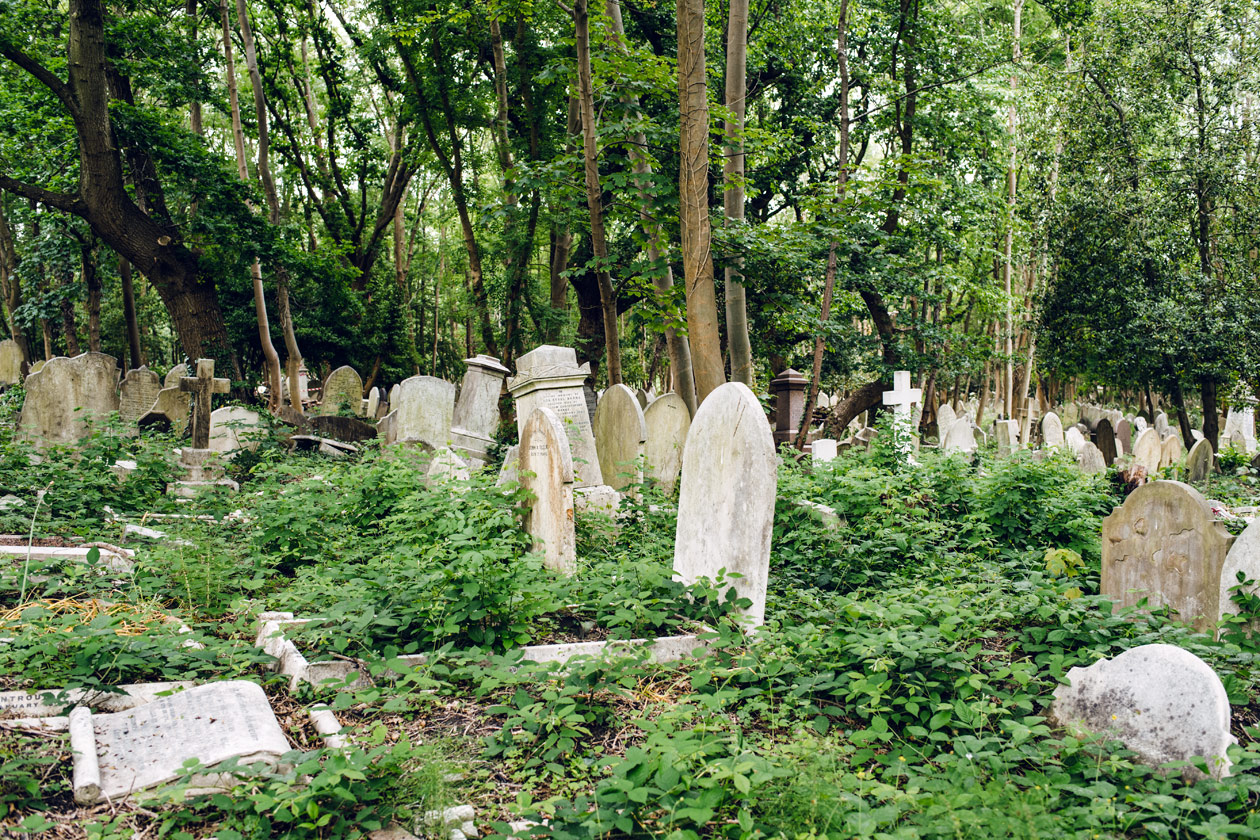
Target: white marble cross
(903, 398)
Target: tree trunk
(594, 197)
(69, 328)
(11, 285)
(733, 195)
(1211, 429)
(1010, 212)
(92, 281)
(693, 200)
(129, 313)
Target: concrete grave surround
(137, 394)
(10, 362)
(1201, 461)
(1074, 440)
(233, 428)
(1148, 450)
(1163, 544)
(546, 470)
(1090, 459)
(424, 410)
(1160, 701)
(960, 437)
(1244, 557)
(123, 752)
(726, 501)
(1051, 431)
(620, 432)
(343, 386)
(67, 395)
(945, 419)
(549, 376)
(1172, 452)
(1105, 440)
(667, 421)
(475, 418)
(825, 449)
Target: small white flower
(969, 756)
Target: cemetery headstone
(1071, 414)
(1051, 430)
(1140, 424)
(1244, 559)
(137, 394)
(1201, 460)
(372, 403)
(550, 376)
(1074, 440)
(1171, 452)
(345, 429)
(1148, 450)
(10, 362)
(201, 388)
(960, 437)
(448, 465)
(667, 421)
(343, 388)
(1090, 459)
(233, 428)
(1007, 434)
(825, 449)
(1164, 545)
(903, 398)
(423, 411)
(66, 396)
(620, 432)
(120, 753)
(169, 411)
(788, 390)
(475, 418)
(1105, 440)
(546, 470)
(945, 419)
(1124, 437)
(1161, 425)
(511, 464)
(176, 373)
(726, 501)
(642, 396)
(1162, 702)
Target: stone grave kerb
(202, 387)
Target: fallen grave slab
(32, 708)
(114, 558)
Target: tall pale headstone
(549, 376)
(546, 470)
(825, 449)
(726, 501)
(1007, 434)
(371, 403)
(1090, 459)
(10, 362)
(1148, 450)
(137, 394)
(475, 419)
(342, 388)
(1163, 544)
(66, 396)
(1201, 460)
(424, 409)
(1124, 436)
(1172, 452)
(233, 428)
(1161, 425)
(961, 437)
(667, 421)
(1244, 559)
(1074, 440)
(1051, 430)
(620, 432)
(945, 418)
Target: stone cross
(902, 398)
(202, 386)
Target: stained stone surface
(170, 410)
(667, 421)
(945, 419)
(1244, 558)
(546, 470)
(726, 501)
(960, 437)
(233, 428)
(137, 394)
(1160, 701)
(1124, 436)
(1161, 425)
(1148, 450)
(10, 362)
(1074, 440)
(1163, 544)
(1007, 434)
(424, 410)
(1172, 452)
(342, 387)
(448, 465)
(345, 429)
(67, 395)
(372, 403)
(549, 376)
(1201, 460)
(510, 467)
(1090, 459)
(1051, 430)
(176, 373)
(476, 416)
(1105, 440)
(620, 432)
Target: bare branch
(57, 200)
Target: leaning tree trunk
(737, 341)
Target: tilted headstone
(344, 429)
(233, 428)
(1172, 452)
(1007, 434)
(1105, 440)
(176, 373)
(788, 390)
(1196, 434)
(546, 470)
(10, 362)
(372, 403)
(667, 421)
(1163, 544)
(824, 400)
(641, 395)
(1160, 701)
(120, 753)
(343, 388)
(726, 500)
(945, 419)
(1243, 558)
(1201, 461)
(1090, 459)
(1140, 424)
(825, 449)
(169, 411)
(510, 468)
(961, 437)
(476, 415)
(549, 376)
(1051, 431)
(67, 396)
(1071, 414)
(1148, 450)
(424, 410)
(620, 432)
(448, 465)
(201, 388)
(137, 394)
(1074, 440)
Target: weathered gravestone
(960, 438)
(546, 470)
(1074, 440)
(667, 421)
(1160, 701)
(1090, 459)
(1162, 544)
(233, 428)
(345, 429)
(447, 465)
(620, 432)
(476, 416)
(825, 449)
(343, 388)
(1124, 437)
(170, 409)
(1148, 450)
(726, 501)
(137, 394)
(549, 376)
(10, 362)
(642, 396)
(1161, 425)
(788, 390)
(1051, 431)
(1105, 440)
(1172, 452)
(903, 399)
(120, 753)
(945, 419)
(201, 388)
(66, 396)
(372, 403)
(1007, 434)
(1201, 461)
(1243, 559)
(423, 411)
(509, 469)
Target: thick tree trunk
(1211, 429)
(693, 200)
(12, 286)
(733, 195)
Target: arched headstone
(1148, 451)
(961, 437)
(66, 396)
(137, 394)
(667, 421)
(1105, 440)
(1090, 459)
(546, 470)
(1051, 430)
(1201, 460)
(619, 435)
(343, 388)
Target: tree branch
(56, 200)
(42, 74)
